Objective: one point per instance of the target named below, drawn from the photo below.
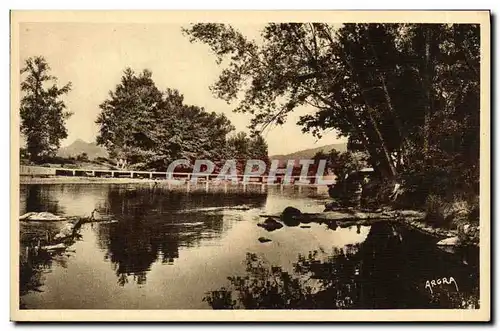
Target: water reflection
(37, 199)
(152, 223)
(151, 229)
(169, 249)
(386, 271)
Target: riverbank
(465, 234)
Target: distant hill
(93, 151)
(309, 153)
(79, 146)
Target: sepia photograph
(250, 166)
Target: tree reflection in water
(30, 271)
(386, 271)
(37, 198)
(154, 224)
(33, 265)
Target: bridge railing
(37, 171)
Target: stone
(26, 216)
(54, 247)
(270, 224)
(452, 241)
(448, 249)
(332, 225)
(466, 228)
(333, 205)
(65, 232)
(43, 216)
(291, 216)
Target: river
(173, 249)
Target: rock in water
(26, 216)
(291, 216)
(453, 241)
(54, 247)
(270, 224)
(65, 232)
(43, 216)
(332, 225)
(331, 206)
(264, 240)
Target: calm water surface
(176, 249)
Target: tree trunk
(367, 139)
(388, 99)
(383, 145)
(380, 137)
(33, 149)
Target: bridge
(279, 179)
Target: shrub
(434, 209)
(453, 213)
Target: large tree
(258, 148)
(242, 147)
(407, 94)
(43, 112)
(149, 128)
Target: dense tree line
(149, 128)
(406, 94)
(142, 126)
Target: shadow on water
(389, 270)
(38, 199)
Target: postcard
(250, 166)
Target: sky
(93, 56)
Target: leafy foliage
(342, 163)
(150, 128)
(241, 148)
(43, 113)
(344, 166)
(406, 94)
